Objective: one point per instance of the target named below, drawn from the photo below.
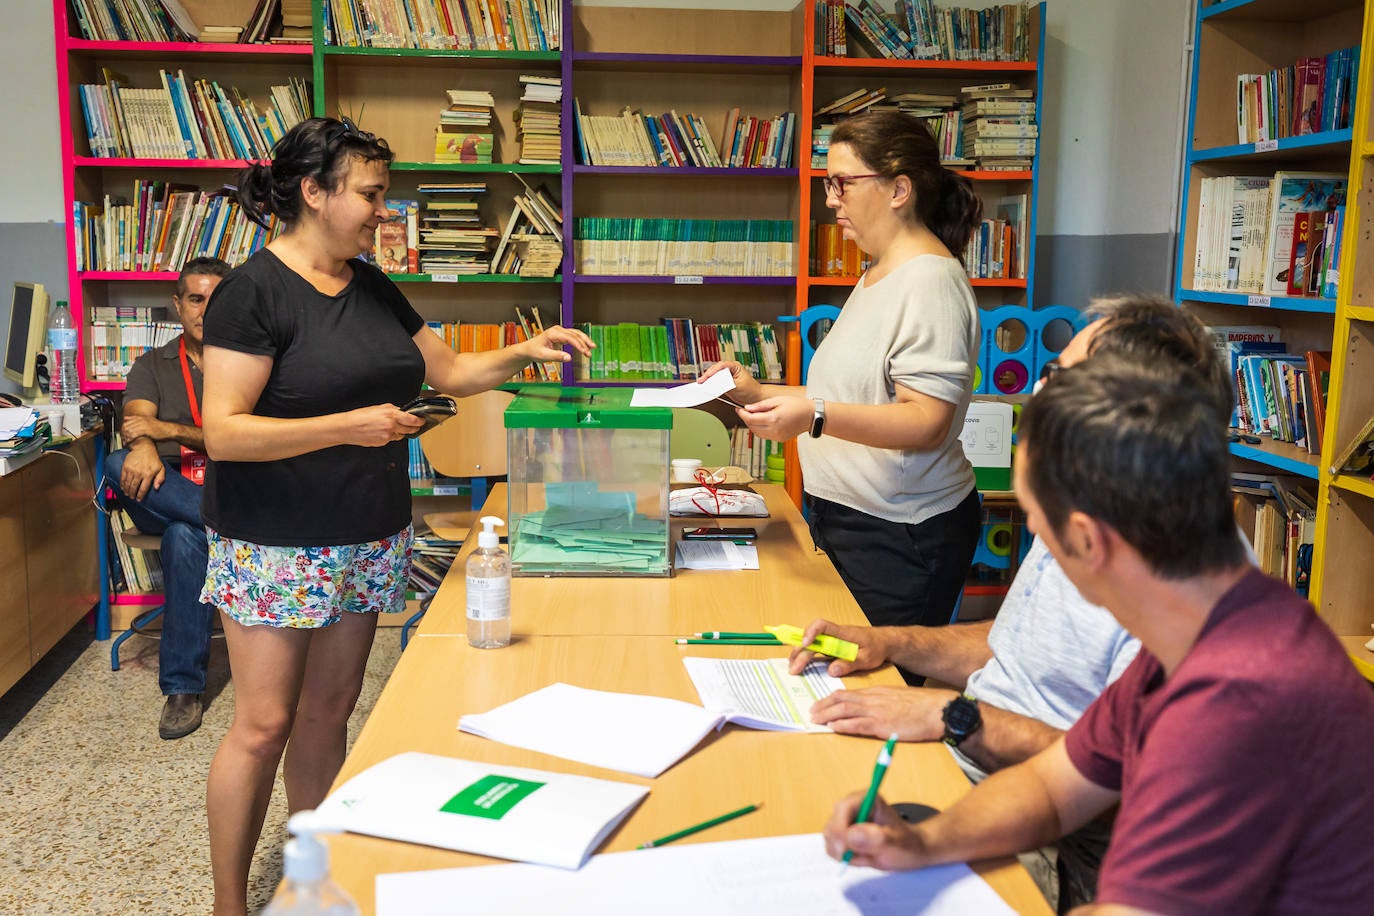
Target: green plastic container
(588, 483)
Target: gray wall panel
(33, 253)
(1072, 269)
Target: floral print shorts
(306, 587)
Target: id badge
(193, 464)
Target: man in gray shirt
(155, 479)
(1022, 679)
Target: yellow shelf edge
(1353, 485)
(1360, 312)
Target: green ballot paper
(823, 644)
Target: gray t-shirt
(917, 327)
(1053, 651)
(156, 376)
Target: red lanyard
(186, 376)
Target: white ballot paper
(759, 693)
(716, 555)
(786, 874)
(488, 809)
(637, 734)
(688, 395)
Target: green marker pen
(879, 771)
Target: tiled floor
(99, 815)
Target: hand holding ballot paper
(688, 395)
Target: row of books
(675, 140)
(1273, 235)
(112, 346)
(684, 247)
(467, 25)
(676, 349)
(998, 247)
(431, 557)
(134, 20)
(1278, 514)
(476, 337)
(539, 120)
(1280, 394)
(752, 452)
(166, 226)
(139, 570)
(833, 255)
(187, 119)
(989, 126)
(1311, 96)
(919, 30)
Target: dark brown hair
(318, 148)
(1153, 330)
(892, 143)
(1136, 446)
(196, 267)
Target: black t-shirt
(330, 354)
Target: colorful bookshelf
(1342, 586)
(1237, 37)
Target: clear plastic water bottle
(307, 890)
(489, 590)
(63, 385)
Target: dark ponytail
(891, 144)
(956, 213)
(318, 148)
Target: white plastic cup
(685, 470)
(55, 420)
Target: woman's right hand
(747, 389)
(379, 424)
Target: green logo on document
(490, 797)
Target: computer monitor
(23, 343)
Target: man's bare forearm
(1007, 738)
(947, 654)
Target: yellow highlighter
(825, 645)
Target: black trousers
(899, 574)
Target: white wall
(30, 155)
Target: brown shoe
(180, 716)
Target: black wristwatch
(961, 718)
(818, 418)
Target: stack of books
(452, 236)
(999, 126)
(539, 120)
(296, 23)
(464, 133)
(535, 215)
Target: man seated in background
(158, 476)
(1022, 679)
(1237, 743)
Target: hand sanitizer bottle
(489, 590)
(307, 890)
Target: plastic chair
(472, 446)
(138, 541)
(698, 434)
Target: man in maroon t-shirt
(1238, 743)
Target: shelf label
(687, 280)
(1259, 301)
(443, 278)
(1266, 146)
(446, 491)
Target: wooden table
(797, 777)
(795, 584)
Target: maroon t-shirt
(1247, 776)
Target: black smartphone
(719, 534)
(433, 410)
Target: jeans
(173, 511)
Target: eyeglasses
(1243, 437)
(834, 184)
(346, 128)
(1047, 372)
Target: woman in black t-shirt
(308, 353)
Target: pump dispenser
(307, 890)
(488, 589)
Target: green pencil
(721, 634)
(661, 841)
(866, 806)
(683, 641)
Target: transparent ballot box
(588, 483)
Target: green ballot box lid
(548, 407)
